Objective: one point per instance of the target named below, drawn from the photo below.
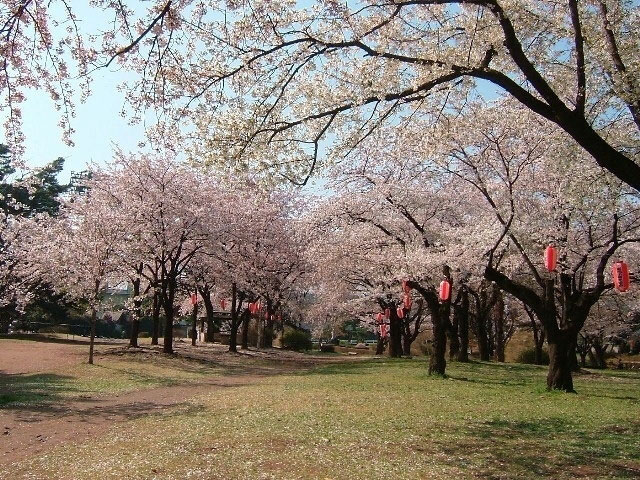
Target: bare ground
(32, 431)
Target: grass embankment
(375, 419)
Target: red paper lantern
(400, 312)
(405, 286)
(387, 312)
(223, 304)
(550, 258)
(252, 308)
(445, 290)
(194, 298)
(620, 274)
(407, 301)
(383, 330)
(379, 317)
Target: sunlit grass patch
(375, 419)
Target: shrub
(529, 356)
(297, 340)
(327, 348)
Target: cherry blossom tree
(296, 76)
(589, 216)
(75, 252)
(398, 224)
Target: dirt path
(29, 431)
(26, 433)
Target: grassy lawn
(375, 419)
(117, 374)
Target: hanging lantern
(194, 298)
(383, 330)
(405, 286)
(407, 301)
(550, 258)
(223, 304)
(387, 312)
(445, 290)
(400, 312)
(379, 317)
(620, 274)
(252, 308)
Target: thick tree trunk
(461, 311)
(559, 376)
(208, 308)
(483, 339)
(454, 341)
(246, 318)
(437, 362)
(168, 295)
(406, 345)
(498, 315)
(135, 321)
(155, 319)
(194, 329)
(395, 334)
(233, 337)
(92, 335)
(268, 331)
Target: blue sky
(98, 125)
(98, 122)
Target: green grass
(375, 419)
(115, 375)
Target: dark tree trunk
(395, 333)
(441, 322)
(454, 341)
(437, 362)
(406, 345)
(135, 321)
(461, 311)
(92, 335)
(483, 339)
(205, 294)
(233, 337)
(194, 329)
(380, 345)
(559, 376)
(155, 318)
(167, 335)
(168, 295)
(498, 315)
(268, 332)
(246, 318)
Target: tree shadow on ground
(553, 447)
(20, 390)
